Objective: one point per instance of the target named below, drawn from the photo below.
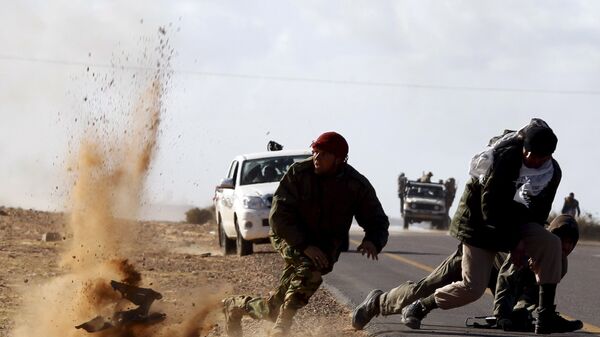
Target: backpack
(482, 162)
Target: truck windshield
(267, 170)
(430, 192)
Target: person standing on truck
(311, 215)
(402, 190)
(426, 177)
(450, 185)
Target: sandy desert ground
(180, 260)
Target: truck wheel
(446, 223)
(440, 224)
(227, 245)
(243, 247)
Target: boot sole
(359, 326)
(412, 323)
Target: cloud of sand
(109, 176)
(108, 189)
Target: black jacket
(487, 216)
(310, 209)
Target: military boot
(283, 323)
(549, 321)
(413, 314)
(233, 311)
(365, 311)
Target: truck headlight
(253, 202)
(438, 208)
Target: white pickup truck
(243, 199)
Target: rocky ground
(175, 258)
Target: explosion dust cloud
(109, 175)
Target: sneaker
(233, 317)
(365, 311)
(412, 314)
(549, 321)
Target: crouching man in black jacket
(503, 209)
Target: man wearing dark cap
(516, 292)
(310, 218)
(503, 208)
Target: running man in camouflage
(310, 218)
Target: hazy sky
(413, 86)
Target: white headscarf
(532, 181)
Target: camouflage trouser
(299, 281)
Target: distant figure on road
(310, 218)
(402, 190)
(571, 206)
(426, 177)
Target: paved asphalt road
(410, 255)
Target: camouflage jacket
(309, 209)
(487, 215)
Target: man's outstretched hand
(367, 247)
(317, 256)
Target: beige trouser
(543, 247)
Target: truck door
(228, 195)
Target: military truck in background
(425, 202)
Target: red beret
(332, 142)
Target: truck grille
(424, 207)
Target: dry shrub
(200, 215)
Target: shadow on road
(400, 252)
(444, 330)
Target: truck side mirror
(226, 183)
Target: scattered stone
(205, 255)
(3, 212)
(51, 236)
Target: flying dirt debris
(143, 297)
